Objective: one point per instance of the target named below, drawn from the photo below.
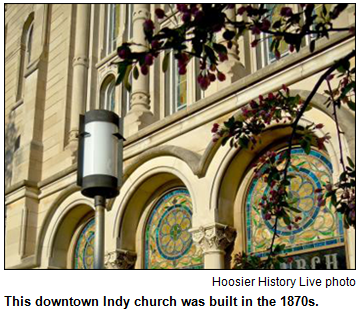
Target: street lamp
(100, 167)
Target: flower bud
(148, 25)
(160, 13)
(221, 76)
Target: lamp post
(100, 167)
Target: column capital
(81, 60)
(141, 11)
(120, 259)
(213, 237)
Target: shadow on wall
(10, 146)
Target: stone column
(139, 115)
(213, 239)
(120, 259)
(80, 70)
(232, 68)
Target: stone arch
(65, 216)
(346, 121)
(231, 177)
(192, 159)
(107, 83)
(232, 164)
(139, 193)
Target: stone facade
(58, 65)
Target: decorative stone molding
(81, 60)
(141, 98)
(120, 259)
(141, 13)
(213, 237)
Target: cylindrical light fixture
(100, 154)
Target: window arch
(26, 46)
(84, 247)
(318, 228)
(107, 94)
(29, 40)
(168, 243)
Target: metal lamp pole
(99, 248)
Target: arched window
(318, 228)
(125, 99)
(168, 243)
(107, 94)
(25, 54)
(112, 26)
(29, 41)
(84, 248)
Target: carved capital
(120, 259)
(213, 237)
(81, 60)
(140, 14)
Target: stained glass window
(181, 94)
(168, 243)
(283, 46)
(84, 251)
(318, 227)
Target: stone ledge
(245, 82)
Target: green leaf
(122, 68)
(230, 122)
(286, 219)
(224, 141)
(351, 105)
(136, 73)
(210, 54)
(165, 64)
(126, 78)
(279, 248)
(219, 48)
(306, 146)
(277, 24)
(294, 209)
(351, 163)
(343, 176)
(244, 142)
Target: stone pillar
(213, 239)
(120, 259)
(232, 68)
(80, 70)
(139, 115)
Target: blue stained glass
(168, 242)
(84, 251)
(317, 225)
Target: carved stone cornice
(120, 259)
(213, 237)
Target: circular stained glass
(84, 251)
(302, 187)
(316, 224)
(173, 239)
(168, 243)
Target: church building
(186, 201)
